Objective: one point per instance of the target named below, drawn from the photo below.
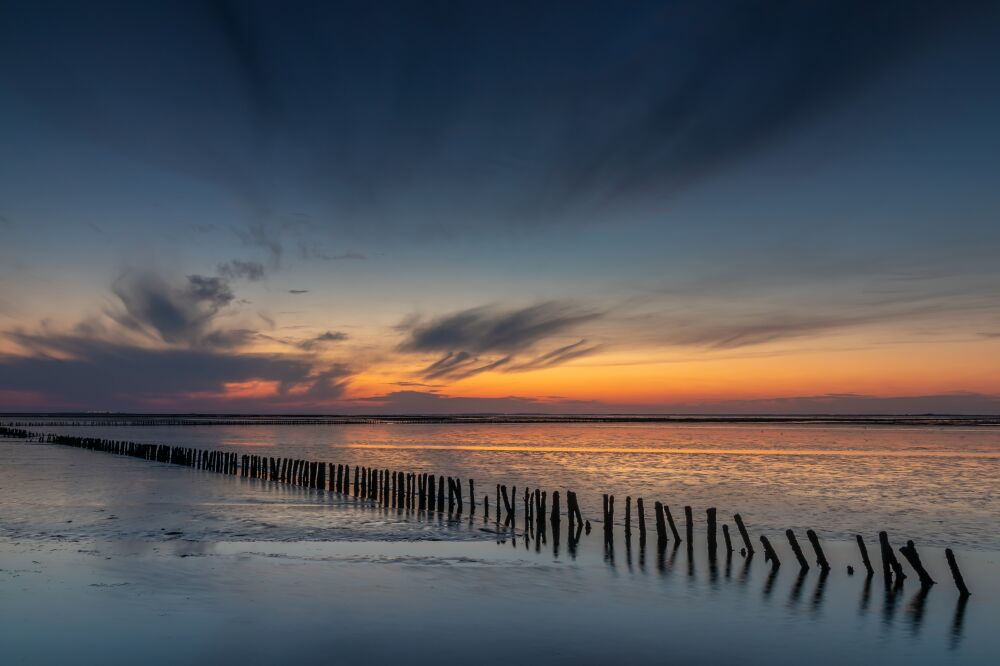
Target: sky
(442, 207)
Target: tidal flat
(109, 559)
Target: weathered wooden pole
(441, 494)
(909, 551)
(689, 521)
(555, 517)
(864, 554)
(820, 556)
(509, 510)
(956, 574)
(769, 554)
(794, 543)
(661, 527)
(671, 523)
(890, 565)
(729, 541)
(743, 533)
(710, 517)
(472, 496)
(642, 518)
(430, 492)
(628, 516)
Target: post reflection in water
(817, 599)
(866, 595)
(958, 622)
(796, 594)
(915, 609)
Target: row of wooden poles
(427, 492)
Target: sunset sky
(380, 207)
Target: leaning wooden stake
(909, 551)
(725, 535)
(797, 550)
(743, 534)
(890, 565)
(670, 521)
(820, 556)
(864, 554)
(955, 573)
(769, 554)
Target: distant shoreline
(192, 419)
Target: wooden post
(890, 565)
(642, 518)
(769, 554)
(864, 554)
(689, 519)
(661, 527)
(628, 516)
(710, 515)
(743, 533)
(820, 557)
(725, 535)
(441, 494)
(793, 542)
(555, 518)
(509, 515)
(909, 551)
(430, 492)
(472, 496)
(956, 574)
(671, 523)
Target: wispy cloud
(238, 269)
(322, 340)
(483, 339)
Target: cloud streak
(465, 337)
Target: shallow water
(163, 564)
(937, 485)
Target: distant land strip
(13, 419)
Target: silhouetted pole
(956, 574)
(890, 565)
(729, 542)
(794, 543)
(909, 551)
(689, 524)
(769, 554)
(820, 557)
(864, 554)
(710, 517)
(670, 521)
(743, 533)
(642, 518)
(661, 527)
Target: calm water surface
(937, 485)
